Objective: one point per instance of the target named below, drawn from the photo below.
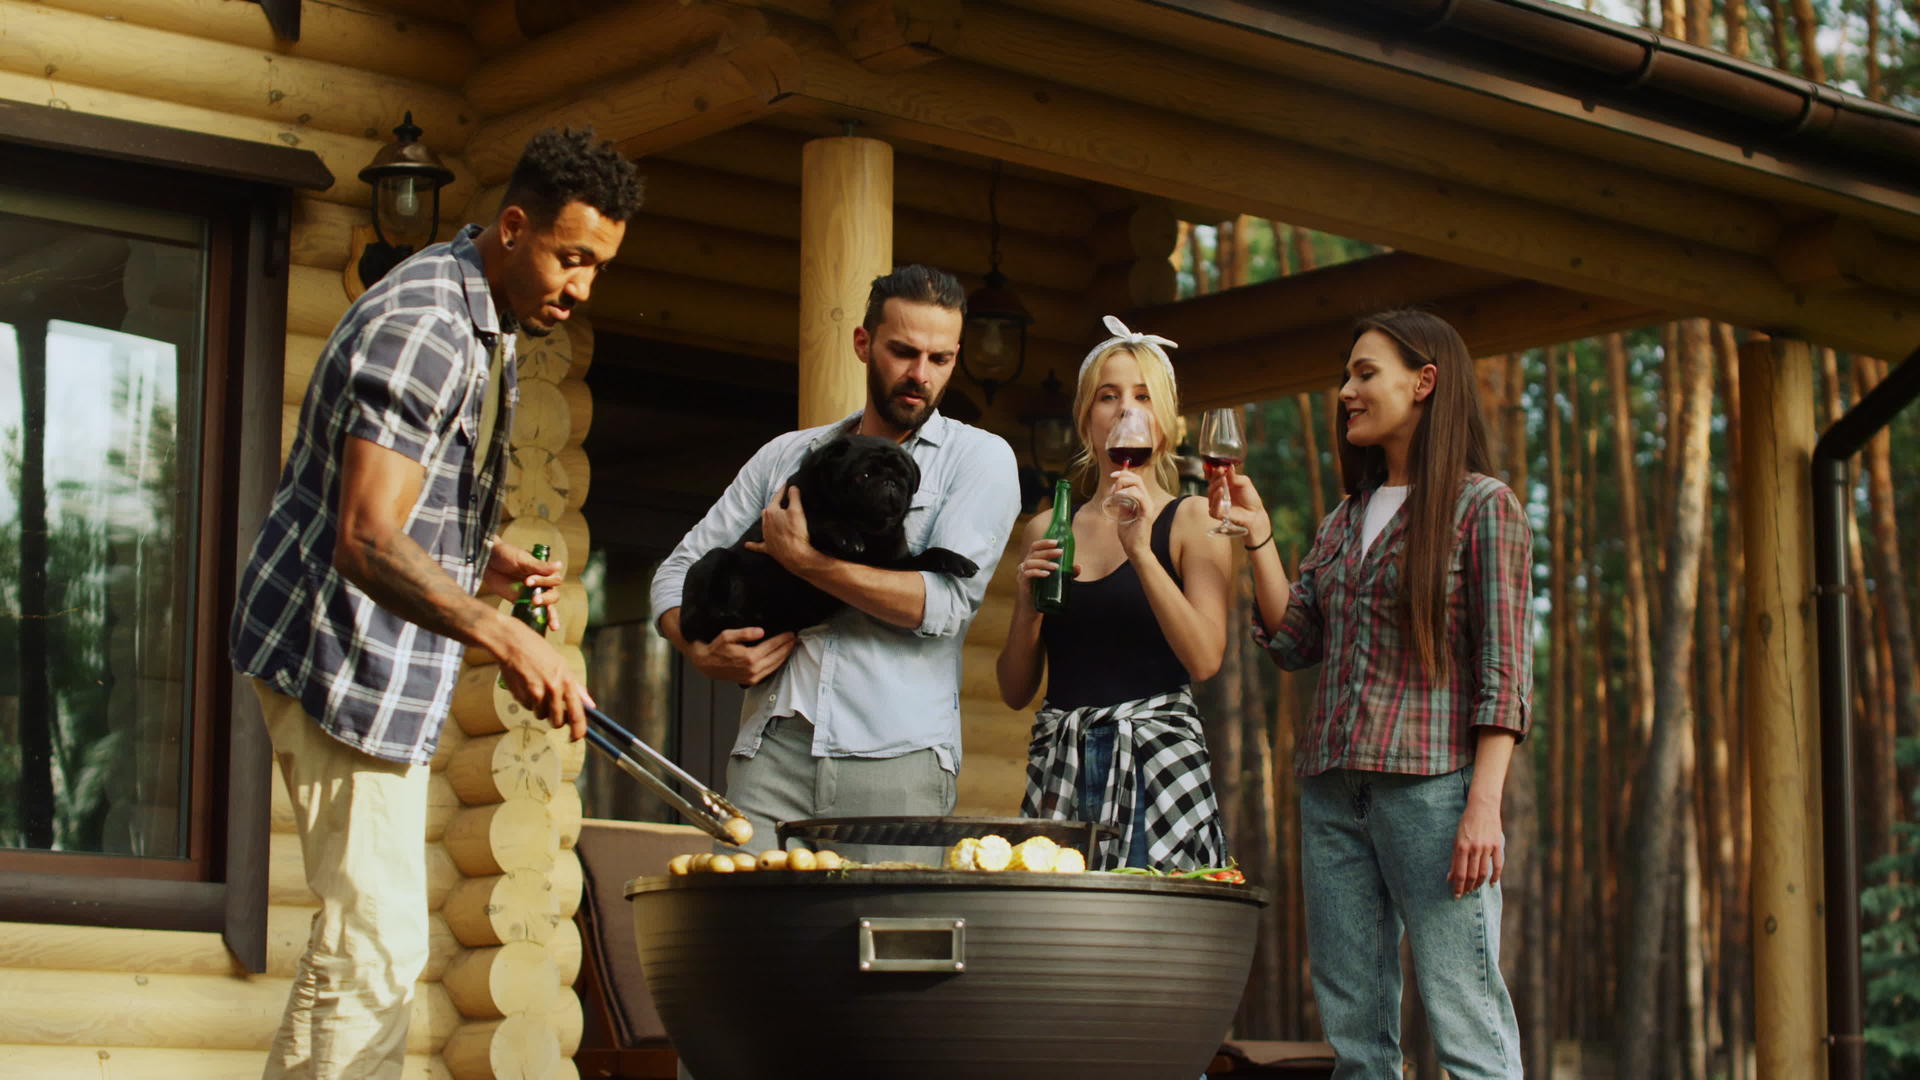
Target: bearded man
(860, 715)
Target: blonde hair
(1163, 403)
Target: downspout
(1831, 510)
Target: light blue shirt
(871, 689)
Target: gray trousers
(785, 782)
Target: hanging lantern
(994, 348)
(406, 178)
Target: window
(141, 345)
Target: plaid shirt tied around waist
(1157, 738)
(1375, 709)
(406, 369)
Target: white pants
(362, 822)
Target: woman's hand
(1043, 558)
(1136, 536)
(1479, 848)
(1248, 511)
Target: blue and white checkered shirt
(405, 369)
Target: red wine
(1221, 464)
(1129, 457)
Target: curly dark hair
(563, 165)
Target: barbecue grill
(943, 975)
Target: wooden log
(1322, 189)
(483, 206)
(435, 1018)
(343, 155)
(289, 425)
(315, 302)
(111, 1009)
(442, 802)
(452, 738)
(896, 35)
(516, 834)
(528, 531)
(420, 49)
(573, 611)
(481, 706)
(580, 334)
(322, 231)
(683, 99)
(442, 947)
(572, 751)
(568, 879)
(97, 948)
(280, 815)
(646, 300)
(1145, 228)
(579, 409)
(579, 470)
(1777, 438)
(569, 1024)
(624, 38)
(303, 356)
(517, 1047)
(541, 417)
(287, 872)
(288, 931)
(546, 357)
(577, 538)
(162, 1063)
(536, 484)
(846, 240)
(493, 910)
(1029, 203)
(565, 949)
(517, 763)
(292, 91)
(442, 873)
(1124, 286)
(502, 980)
(567, 812)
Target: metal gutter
(1832, 509)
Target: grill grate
(946, 831)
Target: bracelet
(1261, 544)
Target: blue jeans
(1096, 761)
(1375, 850)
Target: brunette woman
(1118, 738)
(1415, 597)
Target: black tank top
(1107, 647)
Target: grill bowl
(758, 975)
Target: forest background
(1625, 451)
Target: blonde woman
(1117, 738)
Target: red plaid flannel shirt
(1376, 710)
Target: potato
(740, 830)
(827, 860)
(679, 865)
(801, 859)
(743, 861)
(721, 864)
(773, 859)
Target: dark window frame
(245, 190)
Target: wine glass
(1223, 446)
(1129, 446)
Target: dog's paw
(942, 561)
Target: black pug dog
(856, 490)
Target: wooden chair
(623, 1038)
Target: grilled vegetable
(1069, 861)
(773, 859)
(743, 861)
(801, 859)
(740, 830)
(827, 860)
(721, 864)
(1034, 853)
(679, 865)
(994, 853)
(961, 855)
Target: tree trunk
(1315, 485)
(1197, 257)
(1654, 824)
(1242, 249)
(1782, 51)
(1876, 88)
(1808, 24)
(1226, 257)
(1890, 592)
(1560, 636)
(1627, 476)
(1736, 12)
(1595, 969)
(1516, 423)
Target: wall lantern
(995, 348)
(403, 175)
(1051, 440)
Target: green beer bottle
(524, 609)
(1050, 592)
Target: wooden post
(1777, 434)
(846, 240)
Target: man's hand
(740, 656)
(540, 679)
(784, 525)
(510, 567)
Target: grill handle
(912, 945)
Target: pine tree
(1890, 952)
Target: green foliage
(1890, 950)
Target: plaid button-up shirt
(405, 369)
(1376, 709)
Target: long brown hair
(1449, 442)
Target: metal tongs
(714, 811)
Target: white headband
(1123, 336)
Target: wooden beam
(695, 95)
(237, 80)
(1147, 72)
(1506, 318)
(1845, 253)
(846, 240)
(636, 36)
(895, 35)
(1329, 295)
(1060, 211)
(1180, 157)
